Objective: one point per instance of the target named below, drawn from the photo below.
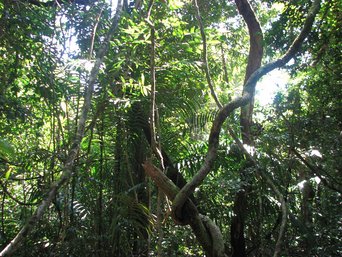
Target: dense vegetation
(132, 128)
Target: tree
(162, 100)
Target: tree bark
(254, 63)
(238, 225)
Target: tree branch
(93, 34)
(315, 171)
(4, 189)
(205, 55)
(207, 233)
(68, 165)
(171, 171)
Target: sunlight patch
(269, 85)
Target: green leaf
(142, 79)
(8, 173)
(175, 4)
(214, 42)
(6, 149)
(93, 171)
(145, 90)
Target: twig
(314, 169)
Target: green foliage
(131, 222)
(6, 149)
(109, 206)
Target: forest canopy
(133, 128)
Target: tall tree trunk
(254, 62)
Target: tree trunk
(254, 63)
(238, 225)
(307, 198)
